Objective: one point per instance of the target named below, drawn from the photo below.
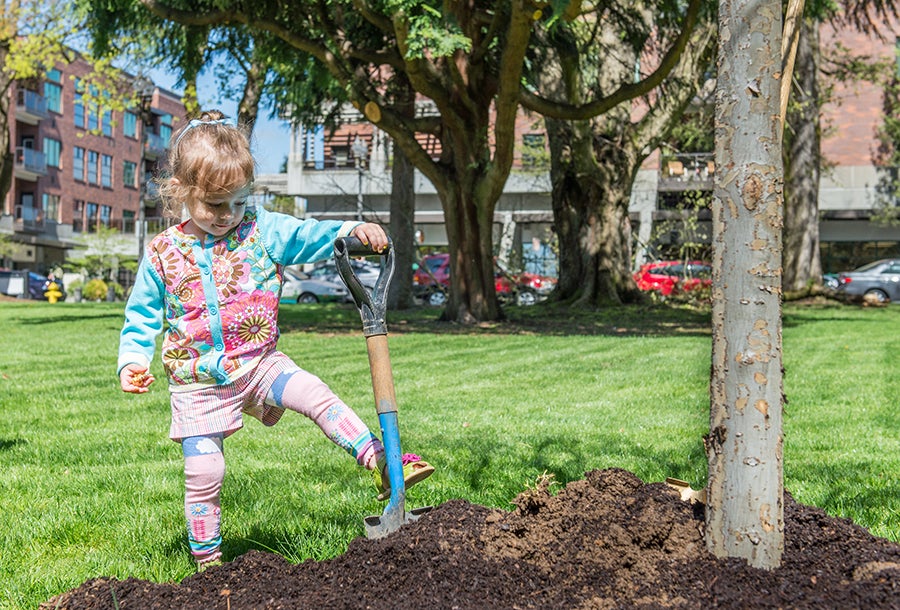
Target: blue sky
(271, 138)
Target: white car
(367, 273)
(303, 289)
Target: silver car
(303, 289)
(367, 273)
(879, 281)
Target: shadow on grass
(119, 318)
(11, 443)
(542, 319)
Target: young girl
(212, 285)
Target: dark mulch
(608, 541)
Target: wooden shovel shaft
(382, 377)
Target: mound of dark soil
(609, 541)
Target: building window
(106, 171)
(106, 215)
(165, 128)
(92, 119)
(129, 174)
(129, 125)
(78, 215)
(78, 163)
(92, 213)
(78, 108)
(51, 152)
(93, 158)
(127, 221)
(53, 94)
(107, 123)
(51, 207)
(53, 90)
(533, 152)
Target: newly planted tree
(745, 513)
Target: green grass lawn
(90, 485)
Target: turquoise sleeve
(292, 241)
(143, 318)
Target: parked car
(12, 284)
(301, 288)
(666, 277)
(879, 280)
(831, 281)
(522, 288)
(367, 272)
(431, 281)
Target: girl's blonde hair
(209, 157)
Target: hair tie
(196, 122)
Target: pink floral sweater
(217, 302)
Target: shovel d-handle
(372, 306)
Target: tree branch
(628, 91)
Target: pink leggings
(204, 461)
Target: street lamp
(360, 151)
(143, 89)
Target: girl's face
(217, 215)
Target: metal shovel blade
(379, 526)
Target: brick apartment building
(78, 168)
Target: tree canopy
(467, 59)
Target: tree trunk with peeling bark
(802, 260)
(745, 515)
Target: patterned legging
(204, 460)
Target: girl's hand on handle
(371, 234)
(135, 378)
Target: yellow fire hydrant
(53, 292)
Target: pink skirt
(220, 408)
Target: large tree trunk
(745, 513)
(594, 162)
(469, 224)
(591, 180)
(403, 204)
(802, 260)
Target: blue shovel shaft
(391, 439)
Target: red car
(666, 277)
(431, 281)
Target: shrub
(95, 290)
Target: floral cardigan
(217, 297)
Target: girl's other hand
(135, 378)
(372, 235)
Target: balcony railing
(30, 164)
(336, 152)
(29, 219)
(154, 146)
(687, 172)
(126, 226)
(31, 107)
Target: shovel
(372, 309)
